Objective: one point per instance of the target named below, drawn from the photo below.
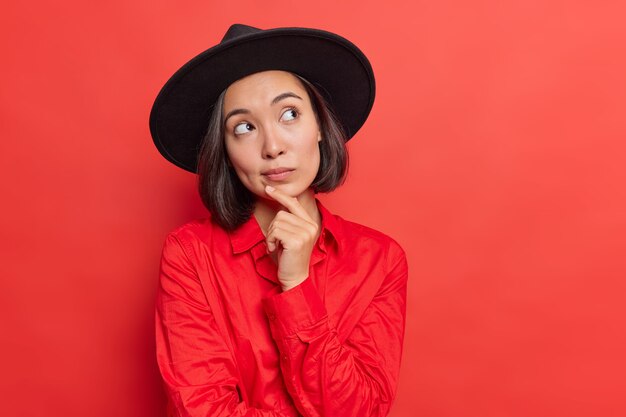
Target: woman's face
(271, 133)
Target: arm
(196, 364)
(328, 378)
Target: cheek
(238, 158)
(313, 155)
(309, 143)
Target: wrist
(291, 284)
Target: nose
(273, 143)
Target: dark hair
(229, 201)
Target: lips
(277, 174)
(276, 171)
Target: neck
(265, 209)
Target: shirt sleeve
(196, 365)
(328, 378)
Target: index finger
(290, 203)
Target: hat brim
(180, 114)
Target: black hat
(180, 115)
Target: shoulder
(356, 236)
(351, 229)
(196, 227)
(193, 233)
(381, 257)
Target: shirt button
(285, 357)
(272, 317)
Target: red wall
(495, 154)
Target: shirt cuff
(293, 310)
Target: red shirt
(231, 343)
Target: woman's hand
(291, 235)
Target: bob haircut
(229, 201)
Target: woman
(272, 305)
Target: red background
(494, 154)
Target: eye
(242, 128)
(289, 115)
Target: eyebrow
(274, 101)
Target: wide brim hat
(342, 73)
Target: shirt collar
(330, 223)
(249, 234)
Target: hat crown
(237, 30)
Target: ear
(319, 136)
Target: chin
(296, 192)
(291, 189)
